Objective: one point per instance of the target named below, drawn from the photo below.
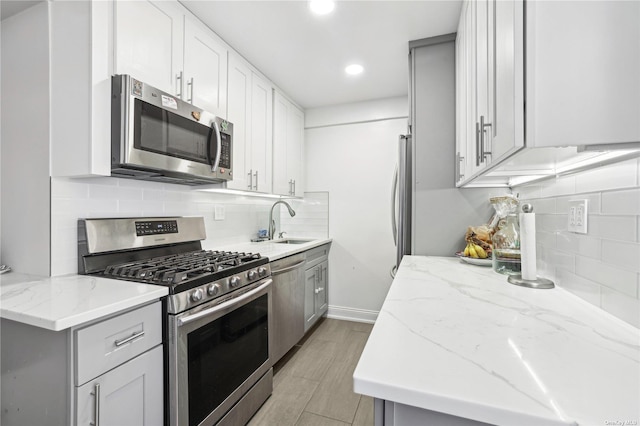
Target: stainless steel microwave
(157, 136)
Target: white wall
(354, 161)
(603, 266)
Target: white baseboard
(352, 314)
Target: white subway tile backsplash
(624, 255)
(72, 199)
(603, 266)
(580, 286)
(621, 202)
(621, 228)
(608, 275)
(616, 176)
(622, 306)
(560, 186)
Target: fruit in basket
(476, 251)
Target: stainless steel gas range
(218, 312)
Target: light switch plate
(577, 221)
(218, 212)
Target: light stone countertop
(458, 339)
(273, 250)
(58, 303)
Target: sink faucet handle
(281, 234)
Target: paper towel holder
(539, 282)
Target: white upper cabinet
(205, 69)
(582, 86)
(250, 110)
(489, 76)
(583, 68)
(149, 42)
(288, 147)
(160, 43)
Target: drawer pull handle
(134, 336)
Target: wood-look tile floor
(313, 383)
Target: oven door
(217, 352)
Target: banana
(472, 251)
(466, 251)
(480, 251)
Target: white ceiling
(305, 55)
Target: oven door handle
(236, 300)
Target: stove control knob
(234, 282)
(262, 271)
(213, 289)
(252, 275)
(196, 296)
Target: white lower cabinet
(131, 394)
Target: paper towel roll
(528, 245)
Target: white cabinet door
(205, 69)
(250, 109)
(288, 143)
(295, 150)
(505, 134)
(239, 113)
(261, 133)
(461, 96)
(148, 42)
(129, 395)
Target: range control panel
(156, 227)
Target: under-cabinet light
(354, 69)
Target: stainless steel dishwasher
(288, 303)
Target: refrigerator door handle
(394, 194)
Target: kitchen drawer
(105, 345)
(317, 255)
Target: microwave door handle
(214, 165)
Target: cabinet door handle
(483, 125)
(459, 173)
(129, 339)
(250, 186)
(256, 175)
(179, 85)
(294, 188)
(190, 85)
(477, 144)
(96, 392)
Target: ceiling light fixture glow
(354, 69)
(321, 7)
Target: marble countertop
(58, 303)
(458, 339)
(274, 250)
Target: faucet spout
(272, 224)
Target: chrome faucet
(272, 224)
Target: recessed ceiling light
(354, 69)
(321, 7)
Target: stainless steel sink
(291, 241)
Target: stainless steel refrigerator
(430, 215)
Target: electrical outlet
(218, 212)
(577, 221)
